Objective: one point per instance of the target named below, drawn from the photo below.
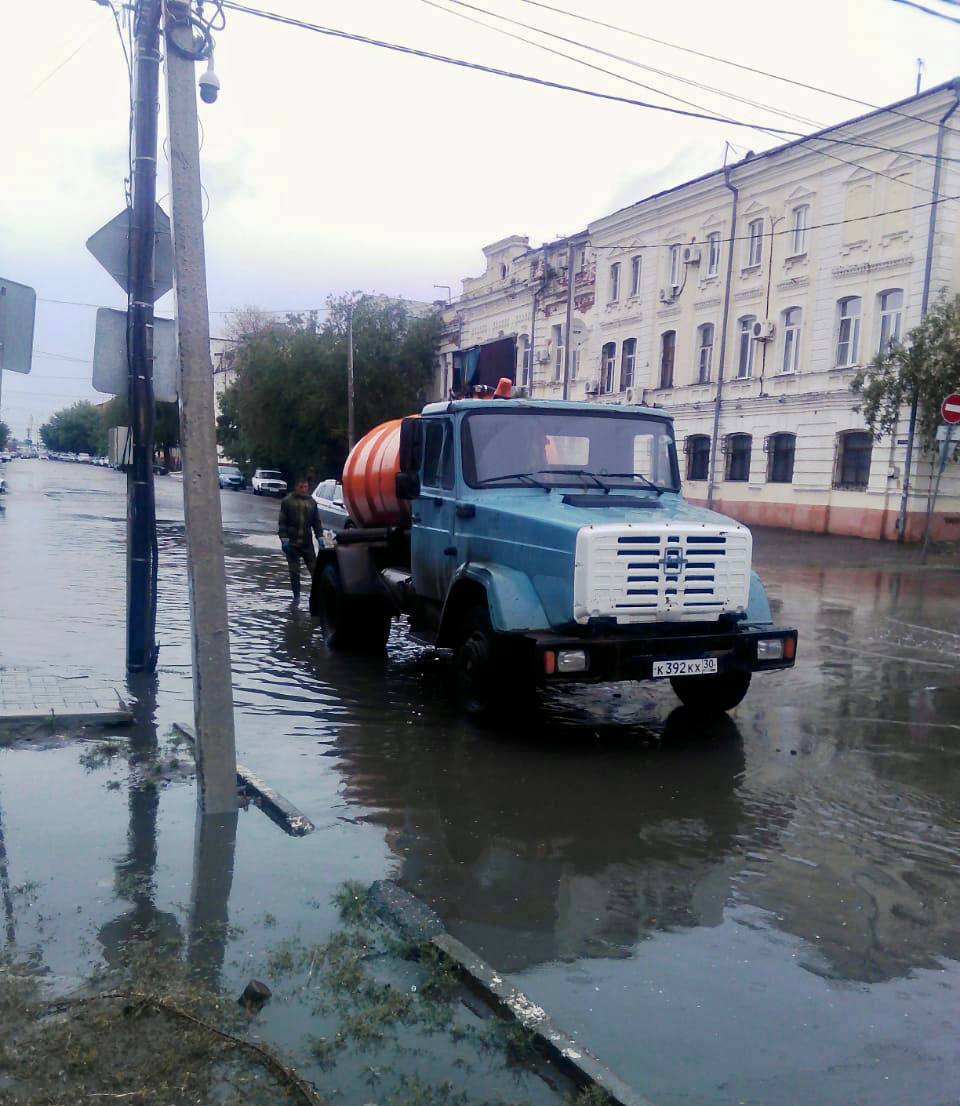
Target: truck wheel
(490, 670)
(354, 623)
(712, 694)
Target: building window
(608, 360)
(754, 243)
(582, 264)
(780, 451)
(792, 320)
(575, 363)
(891, 315)
(848, 331)
(738, 457)
(698, 457)
(854, 452)
(615, 282)
(556, 333)
(713, 253)
(503, 272)
(675, 266)
(628, 360)
(704, 352)
(745, 347)
(525, 358)
(668, 350)
(636, 264)
(798, 233)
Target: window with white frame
(704, 352)
(636, 268)
(798, 229)
(628, 361)
(675, 266)
(608, 360)
(525, 357)
(556, 337)
(745, 344)
(713, 253)
(848, 330)
(754, 243)
(792, 320)
(890, 304)
(615, 282)
(668, 352)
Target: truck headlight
(770, 649)
(572, 660)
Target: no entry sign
(950, 408)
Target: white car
(268, 482)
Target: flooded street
(765, 912)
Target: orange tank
(369, 478)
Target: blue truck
(547, 543)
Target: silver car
(328, 496)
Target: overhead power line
(928, 11)
(542, 82)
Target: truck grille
(681, 572)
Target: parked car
(230, 477)
(268, 482)
(328, 496)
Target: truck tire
(491, 679)
(351, 623)
(710, 695)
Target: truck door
(433, 551)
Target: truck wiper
(637, 476)
(528, 477)
(580, 472)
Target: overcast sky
(332, 165)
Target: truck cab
(549, 542)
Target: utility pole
(141, 505)
(212, 679)
(568, 325)
(351, 427)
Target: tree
(76, 429)
(925, 366)
(288, 406)
(4, 435)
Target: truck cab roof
(450, 406)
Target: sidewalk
(32, 695)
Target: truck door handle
(450, 551)
(466, 510)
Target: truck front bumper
(562, 659)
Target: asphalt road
(766, 912)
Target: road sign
(111, 247)
(111, 371)
(950, 408)
(18, 308)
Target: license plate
(704, 666)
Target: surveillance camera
(209, 84)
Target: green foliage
(76, 429)
(288, 406)
(4, 435)
(925, 365)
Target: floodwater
(763, 912)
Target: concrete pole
(568, 325)
(212, 681)
(351, 426)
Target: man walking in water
(298, 523)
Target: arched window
(745, 346)
(890, 304)
(848, 330)
(739, 447)
(668, 352)
(608, 360)
(792, 319)
(854, 454)
(780, 453)
(704, 352)
(628, 361)
(698, 457)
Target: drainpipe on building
(766, 305)
(533, 321)
(715, 437)
(924, 303)
(568, 336)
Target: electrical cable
(727, 61)
(928, 11)
(73, 53)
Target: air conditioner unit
(543, 356)
(763, 330)
(628, 395)
(592, 387)
(691, 255)
(666, 295)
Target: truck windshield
(523, 448)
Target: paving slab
(29, 695)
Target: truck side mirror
(407, 485)
(411, 444)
